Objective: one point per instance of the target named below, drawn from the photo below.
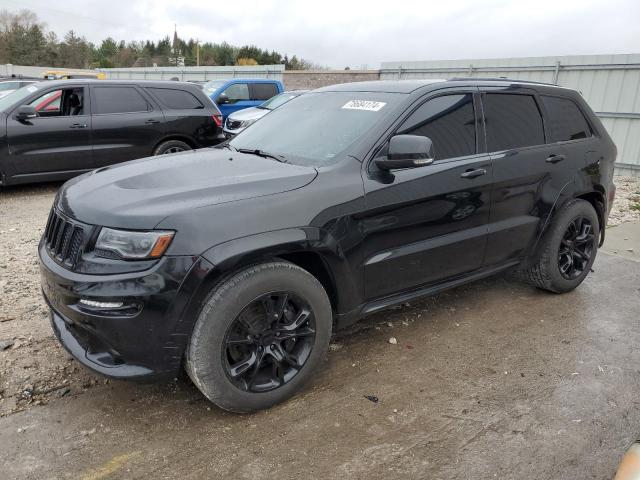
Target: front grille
(63, 239)
(233, 124)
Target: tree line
(24, 40)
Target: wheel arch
(308, 248)
(180, 137)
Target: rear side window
(513, 121)
(449, 121)
(176, 99)
(263, 91)
(566, 120)
(118, 100)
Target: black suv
(56, 130)
(239, 261)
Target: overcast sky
(337, 33)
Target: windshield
(213, 85)
(314, 128)
(15, 97)
(278, 100)
(9, 85)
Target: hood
(249, 113)
(141, 193)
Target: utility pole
(197, 53)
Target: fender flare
(234, 254)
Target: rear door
(529, 173)
(127, 124)
(428, 224)
(58, 139)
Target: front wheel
(567, 251)
(259, 337)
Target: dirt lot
(493, 378)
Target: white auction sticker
(369, 105)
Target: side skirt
(374, 306)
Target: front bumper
(231, 133)
(146, 338)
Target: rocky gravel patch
(626, 207)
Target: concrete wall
(292, 79)
(196, 73)
(310, 79)
(609, 83)
(9, 69)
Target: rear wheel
(259, 337)
(567, 251)
(171, 146)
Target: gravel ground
(34, 368)
(626, 207)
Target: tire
(171, 146)
(232, 305)
(547, 268)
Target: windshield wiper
(262, 153)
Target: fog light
(96, 304)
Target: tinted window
(513, 121)
(263, 91)
(236, 92)
(118, 100)
(449, 122)
(566, 119)
(176, 99)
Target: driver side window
(449, 121)
(237, 92)
(65, 102)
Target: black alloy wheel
(576, 248)
(175, 149)
(269, 342)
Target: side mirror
(26, 112)
(407, 151)
(222, 99)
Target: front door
(238, 98)
(126, 124)
(58, 139)
(428, 224)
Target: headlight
(246, 123)
(134, 245)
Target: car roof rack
(500, 79)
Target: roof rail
(500, 79)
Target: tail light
(218, 119)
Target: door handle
(152, 121)
(555, 158)
(478, 172)
(78, 125)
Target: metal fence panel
(609, 83)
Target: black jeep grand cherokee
(239, 261)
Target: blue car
(240, 93)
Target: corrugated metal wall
(196, 73)
(610, 83)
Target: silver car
(238, 121)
